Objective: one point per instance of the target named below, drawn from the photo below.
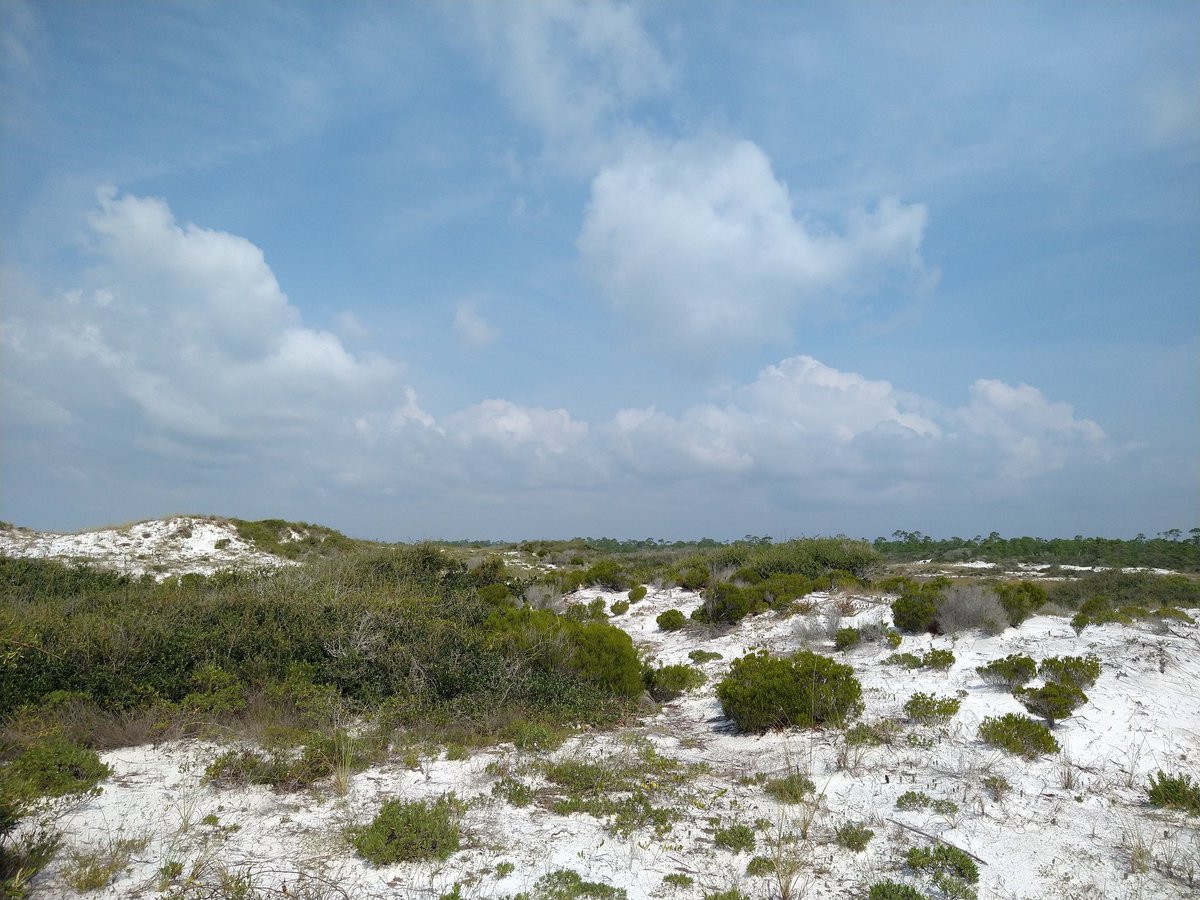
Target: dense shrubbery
(1018, 735)
(725, 603)
(915, 613)
(762, 692)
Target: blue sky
(551, 269)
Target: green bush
(564, 884)
(1020, 599)
(1018, 735)
(904, 660)
(1174, 792)
(670, 682)
(1081, 671)
(724, 603)
(893, 890)
(619, 607)
(845, 638)
(927, 709)
(636, 593)
(410, 832)
(606, 573)
(937, 659)
(761, 692)
(671, 620)
(703, 656)
(791, 788)
(735, 837)
(910, 801)
(943, 860)
(52, 767)
(914, 613)
(1054, 701)
(1011, 671)
(854, 836)
(893, 638)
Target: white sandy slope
(1068, 828)
(160, 547)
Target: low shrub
(1020, 599)
(637, 593)
(1054, 701)
(893, 890)
(726, 603)
(565, 884)
(904, 660)
(893, 638)
(790, 788)
(410, 832)
(910, 801)
(926, 709)
(1011, 671)
(762, 692)
(854, 836)
(1017, 734)
(1078, 670)
(937, 659)
(943, 860)
(678, 879)
(735, 837)
(671, 620)
(670, 682)
(1174, 792)
(729, 894)
(52, 767)
(703, 656)
(619, 607)
(965, 606)
(915, 613)
(996, 785)
(845, 638)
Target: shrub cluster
(1018, 735)
(762, 692)
(1174, 792)
(927, 709)
(1081, 671)
(409, 831)
(1011, 671)
(670, 682)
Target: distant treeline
(1168, 550)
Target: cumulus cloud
(700, 241)
(472, 328)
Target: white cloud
(699, 241)
(471, 327)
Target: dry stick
(936, 839)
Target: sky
(555, 269)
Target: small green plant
(845, 638)
(863, 734)
(943, 860)
(1019, 735)
(735, 837)
(702, 656)
(670, 682)
(1011, 671)
(893, 890)
(513, 790)
(914, 613)
(678, 879)
(791, 788)
(1054, 701)
(671, 620)
(806, 689)
(410, 832)
(893, 638)
(937, 659)
(730, 894)
(910, 801)
(1081, 671)
(760, 867)
(619, 607)
(996, 785)
(637, 593)
(169, 872)
(1174, 792)
(567, 885)
(90, 870)
(927, 709)
(505, 868)
(904, 660)
(854, 836)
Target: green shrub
(703, 656)
(761, 692)
(937, 659)
(619, 607)
(905, 660)
(495, 594)
(790, 788)
(729, 894)
(410, 832)
(678, 879)
(914, 613)
(996, 785)
(927, 709)
(724, 603)
(943, 860)
(911, 801)
(670, 682)
(606, 573)
(845, 638)
(1018, 735)
(1054, 701)
(53, 767)
(567, 885)
(1174, 792)
(671, 620)
(893, 890)
(636, 593)
(854, 836)
(1011, 671)
(1078, 670)
(893, 638)
(735, 837)
(1020, 599)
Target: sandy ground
(1073, 826)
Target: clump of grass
(410, 831)
(90, 870)
(893, 890)
(927, 709)
(1174, 792)
(996, 785)
(1019, 735)
(790, 788)
(679, 880)
(854, 836)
